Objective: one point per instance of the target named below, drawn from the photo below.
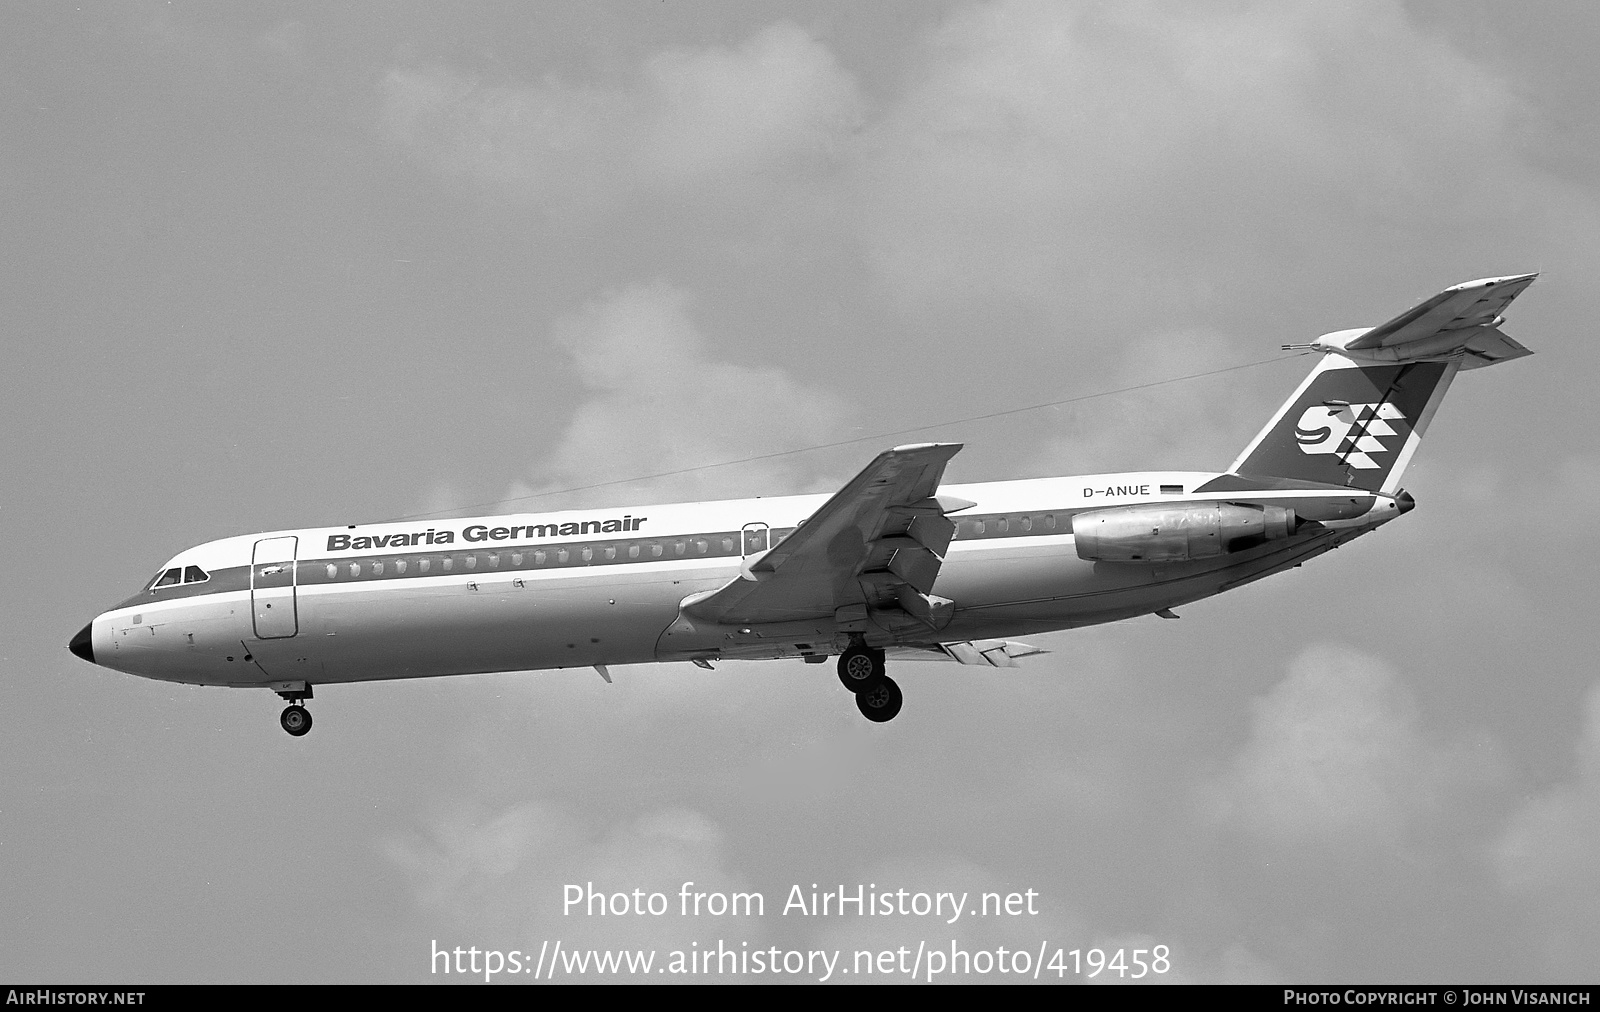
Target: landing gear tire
(879, 700)
(297, 720)
(859, 665)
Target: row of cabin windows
(174, 576)
(1026, 523)
(705, 546)
(567, 555)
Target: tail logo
(1352, 432)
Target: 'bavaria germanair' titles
(479, 532)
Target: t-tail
(1358, 418)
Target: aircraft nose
(1405, 502)
(82, 644)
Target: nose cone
(82, 645)
(1405, 502)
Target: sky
(287, 265)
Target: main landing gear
(296, 719)
(861, 669)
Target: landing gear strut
(296, 719)
(861, 669)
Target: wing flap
(978, 653)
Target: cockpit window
(168, 579)
(194, 574)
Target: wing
(1464, 316)
(878, 542)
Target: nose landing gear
(862, 670)
(296, 719)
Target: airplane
(894, 563)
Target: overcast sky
(289, 265)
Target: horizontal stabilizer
(1462, 322)
(1489, 346)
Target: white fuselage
(603, 587)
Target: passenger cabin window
(170, 578)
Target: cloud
(1580, 476)
(659, 400)
(960, 948)
(1195, 424)
(1126, 189)
(1337, 760)
(1549, 858)
(554, 146)
(503, 879)
(720, 111)
(1103, 164)
(693, 116)
(1236, 964)
(1072, 154)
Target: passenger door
(272, 581)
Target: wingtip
(1491, 282)
(921, 447)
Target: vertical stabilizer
(1350, 424)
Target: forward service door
(272, 580)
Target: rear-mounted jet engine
(1177, 533)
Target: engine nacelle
(1177, 533)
